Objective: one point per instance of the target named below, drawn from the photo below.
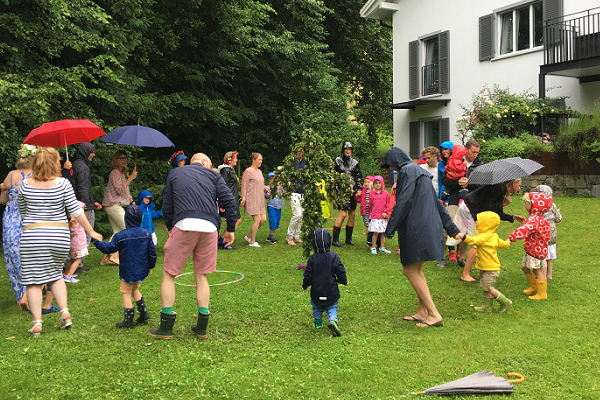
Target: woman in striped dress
(42, 200)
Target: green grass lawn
(261, 343)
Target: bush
(580, 138)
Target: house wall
(416, 20)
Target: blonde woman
(253, 197)
(45, 243)
(116, 197)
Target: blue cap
(178, 158)
(270, 174)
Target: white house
(447, 50)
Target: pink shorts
(179, 246)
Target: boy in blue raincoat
(146, 203)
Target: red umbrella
(63, 133)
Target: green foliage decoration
(319, 167)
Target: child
(553, 216)
(324, 201)
(364, 206)
(323, 272)
(536, 234)
(456, 168)
(79, 248)
(274, 206)
(379, 206)
(137, 258)
(146, 203)
(487, 241)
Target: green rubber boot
(200, 328)
(487, 305)
(166, 327)
(504, 302)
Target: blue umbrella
(139, 136)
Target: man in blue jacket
(192, 217)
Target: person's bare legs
(23, 302)
(34, 296)
(257, 221)
(351, 216)
(48, 299)
(548, 269)
(340, 218)
(470, 259)
(72, 266)
(167, 290)
(59, 290)
(374, 240)
(427, 313)
(127, 300)
(202, 290)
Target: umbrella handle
(521, 377)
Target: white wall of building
(417, 19)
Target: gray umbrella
(503, 170)
(482, 382)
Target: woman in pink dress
(253, 197)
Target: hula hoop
(214, 284)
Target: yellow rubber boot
(542, 290)
(532, 286)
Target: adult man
(82, 186)
(192, 218)
(348, 165)
(296, 199)
(431, 155)
(452, 187)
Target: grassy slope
(261, 344)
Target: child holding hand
(79, 248)
(488, 264)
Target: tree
(319, 168)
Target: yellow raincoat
(487, 241)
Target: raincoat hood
(145, 193)
(447, 145)
(177, 159)
(321, 241)
(458, 152)
(540, 203)
(380, 179)
(545, 189)
(345, 146)
(84, 150)
(396, 158)
(487, 222)
(133, 216)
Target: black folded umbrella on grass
(482, 382)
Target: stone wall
(573, 185)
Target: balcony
(431, 79)
(572, 46)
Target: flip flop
(473, 281)
(410, 318)
(436, 325)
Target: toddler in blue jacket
(137, 257)
(324, 270)
(146, 203)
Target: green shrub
(580, 138)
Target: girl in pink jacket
(79, 248)
(379, 208)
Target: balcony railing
(431, 79)
(572, 37)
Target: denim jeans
(331, 311)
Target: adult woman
(12, 226)
(253, 197)
(227, 171)
(177, 160)
(419, 218)
(116, 196)
(490, 198)
(42, 200)
(345, 163)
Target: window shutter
(486, 37)
(444, 129)
(552, 9)
(413, 69)
(415, 151)
(444, 54)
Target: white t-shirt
(433, 171)
(196, 225)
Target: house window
(429, 65)
(431, 71)
(521, 28)
(428, 132)
(431, 133)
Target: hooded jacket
(535, 230)
(442, 165)
(148, 213)
(324, 270)
(418, 216)
(455, 168)
(350, 167)
(553, 216)
(137, 254)
(487, 241)
(379, 203)
(82, 179)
